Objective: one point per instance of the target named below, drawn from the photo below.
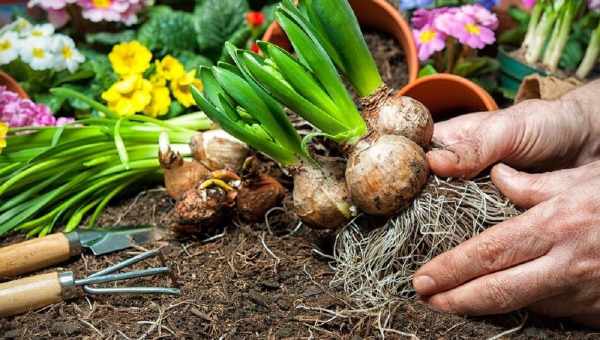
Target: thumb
(527, 190)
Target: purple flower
(466, 29)
(481, 15)
(17, 112)
(594, 5)
(429, 40)
(111, 10)
(423, 17)
(529, 3)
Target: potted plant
(562, 39)
(375, 14)
(454, 71)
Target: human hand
(535, 134)
(547, 259)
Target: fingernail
(505, 169)
(424, 284)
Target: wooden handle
(29, 293)
(29, 256)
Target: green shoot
(591, 55)
(337, 22)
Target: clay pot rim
(488, 101)
(12, 85)
(410, 54)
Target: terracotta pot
(448, 95)
(374, 14)
(12, 85)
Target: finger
(503, 291)
(471, 144)
(507, 244)
(527, 190)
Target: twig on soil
(512, 330)
(213, 238)
(92, 327)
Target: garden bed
(250, 281)
(232, 286)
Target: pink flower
(111, 10)
(429, 40)
(529, 3)
(481, 15)
(465, 29)
(423, 17)
(17, 112)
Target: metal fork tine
(126, 263)
(121, 276)
(132, 290)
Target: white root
(376, 267)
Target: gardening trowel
(29, 256)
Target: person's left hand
(547, 259)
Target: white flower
(9, 47)
(66, 55)
(37, 53)
(21, 26)
(41, 31)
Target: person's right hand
(534, 135)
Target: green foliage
(110, 39)
(168, 31)
(216, 21)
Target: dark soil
(389, 57)
(237, 287)
(233, 287)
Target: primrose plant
(563, 34)
(449, 38)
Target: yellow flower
(130, 58)
(129, 95)
(182, 90)
(161, 100)
(170, 68)
(158, 80)
(3, 131)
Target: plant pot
(374, 14)
(512, 73)
(12, 85)
(448, 95)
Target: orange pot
(12, 85)
(375, 14)
(447, 95)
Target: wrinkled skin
(548, 258)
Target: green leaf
(168, 31)
(315, 58)
(216, 21)
(572, 55)
(427, 70)
(339, 24)
(246, 97)
(109, 38)
(239, 131)
(191, 60)
(120, 145)
(301, 79)
(287, 95)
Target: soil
(233, 286)
(246, 281)
(389, 57)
